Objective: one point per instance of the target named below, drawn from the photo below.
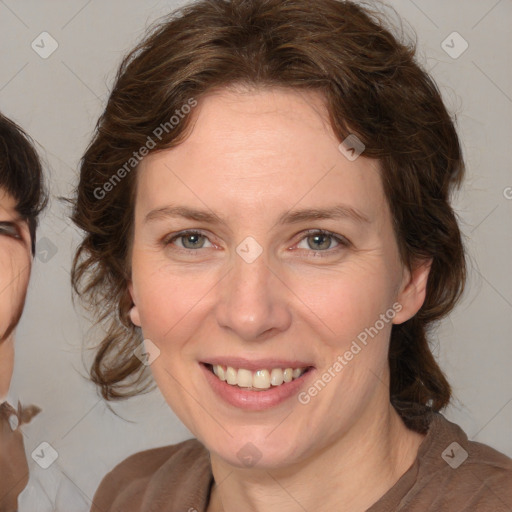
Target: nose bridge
(252, 301)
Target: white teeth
(221, 373)
(244, 378)
(231, 376)
(261, 379)
(276, 377)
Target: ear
(413, 290)
(134, 312)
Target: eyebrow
(339, 211)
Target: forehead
(260, 148)
(7, 202)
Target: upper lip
(256, 364)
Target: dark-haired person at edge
(22, 198)
(266, 208)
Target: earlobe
(413, 292)
(134, 312)
(134, 316)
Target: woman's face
(259, 288)
(15, 263)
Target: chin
(254, 448)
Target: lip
(255, 400)
(258, 364)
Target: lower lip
(255, 400)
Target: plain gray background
(58, 100)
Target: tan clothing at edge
(450, 474)
(14, 473)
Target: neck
(350, 474)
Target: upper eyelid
(342, 240)
(9, 224)
(12, 224)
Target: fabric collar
(11, 398)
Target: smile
(256, 389)
(258, 380)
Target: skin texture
(15, 263)
(251, 156)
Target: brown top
(450, 474)
(13, 463)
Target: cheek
(343, 303)
(167, 298)
(14, 276)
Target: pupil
(190, 238)
(318, 238)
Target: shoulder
(458, 471)
(126, 487)
(488, 474)
(463, 452)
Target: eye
(10, 229)
(320, 241)
(190, 240)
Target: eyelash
(12, 227)
(343, 242)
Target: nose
(254, 300)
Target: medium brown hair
(373, 87)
